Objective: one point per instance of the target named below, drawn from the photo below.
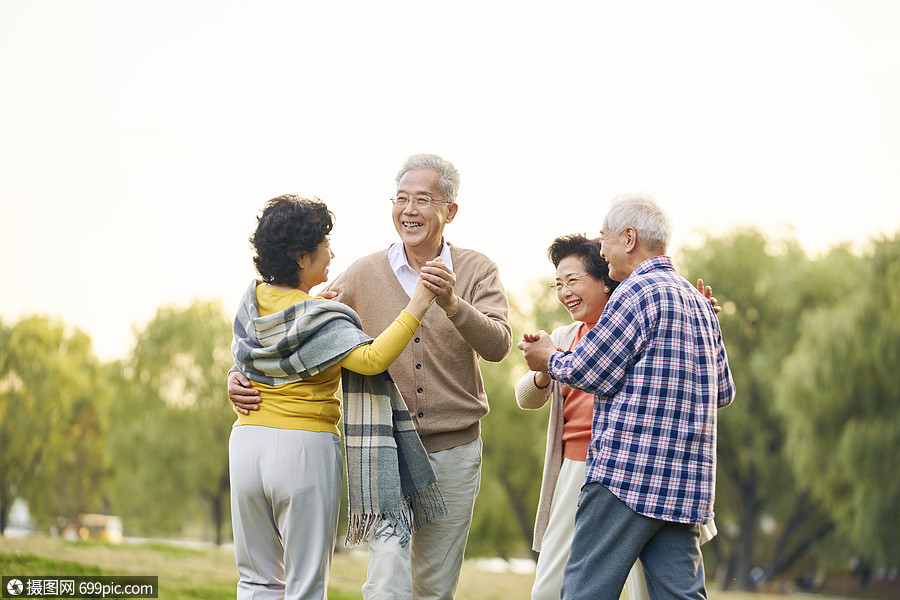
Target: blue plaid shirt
(657, 366)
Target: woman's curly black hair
(588, 250)
(289, 227)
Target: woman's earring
(606, 289)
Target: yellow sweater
(312, 404)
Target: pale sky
(139, 139)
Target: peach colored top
(578, 412)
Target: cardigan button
(421, 414)
(417, 340)
(419, 390)
(418, 366)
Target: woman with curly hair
(285, 458)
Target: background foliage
(807, 452)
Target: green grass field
(209, 573)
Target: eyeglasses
(421, 201)
(568, 283)
(605, 237)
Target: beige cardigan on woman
(531, 397)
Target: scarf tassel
(427, 502)
(365, 526)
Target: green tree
(764, 287)
(50, 439)
(514, 441)
(839, 397)
(172, 421)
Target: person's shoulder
(467, 255)
(360, 275)
(631, 285)
(368, 261)
(650, 275)
(630, 294)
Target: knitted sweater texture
(437, 373)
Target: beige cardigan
(531, 397)
(438, 372)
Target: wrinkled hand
(241, 394)
(707, 291)
(537, 348)
(327, 292)
(440, 280)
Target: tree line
(807, 453)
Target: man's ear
(451, 213)
(631, 239)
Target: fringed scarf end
(363, 526)
(429, 502)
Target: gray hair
(449, 183)
(643, 212)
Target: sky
(139, 139)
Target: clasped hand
(436, 282)
(537, 349)
(439, 279)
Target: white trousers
(557, 540)
(428, 567)
(285, 500)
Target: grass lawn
(209, 573)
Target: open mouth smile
(411, 224)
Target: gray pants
(285, 500)
(609, 537)
(548, 575)
(428, 567)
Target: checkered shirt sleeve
(658, 368)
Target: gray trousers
(285, 500)
(551, 564)
(428, 567)
(609, 537)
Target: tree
(839, 399)
(511, 472)
(50, 440)
(172, 421)
(514, 441)
(764, 287)
(82, 474)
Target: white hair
(449, 182)
(642, 212)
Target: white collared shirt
(406, 275)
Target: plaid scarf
(390, 479)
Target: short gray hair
(643, 212)
(449, 183)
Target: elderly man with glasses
(657, 366)
(438, 373)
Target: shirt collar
(398, 260)
(655, 262)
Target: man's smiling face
(421, 226)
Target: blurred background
(139, 140)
